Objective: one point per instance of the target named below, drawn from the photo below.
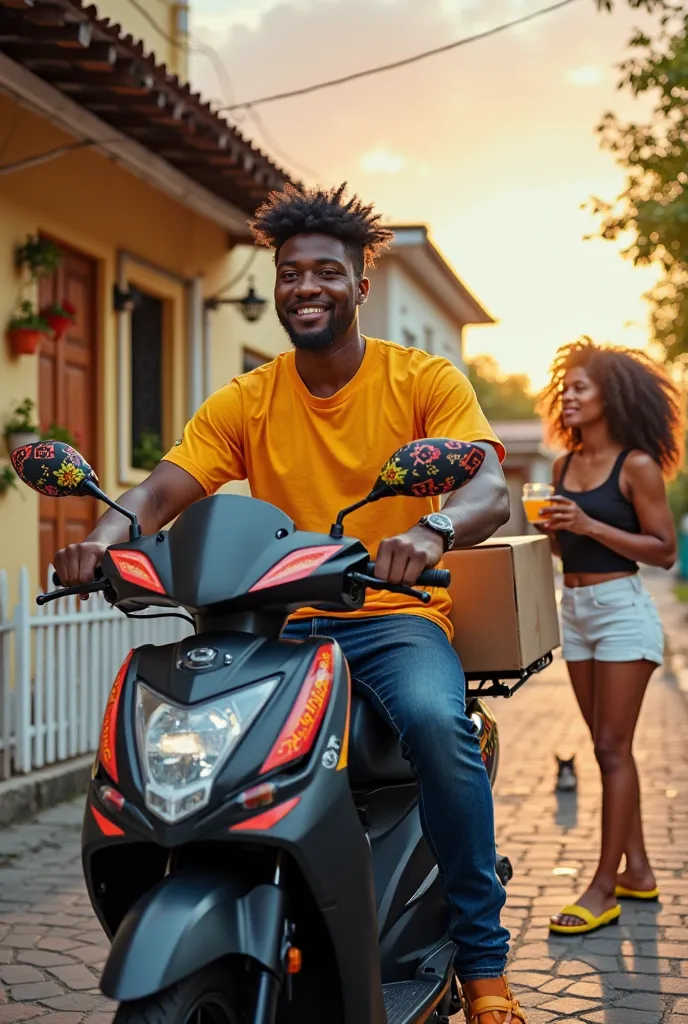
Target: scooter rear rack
(497, 684)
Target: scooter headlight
(183, 749)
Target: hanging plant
(39, 256)
(59, 317)
(25, 330)
(8, 480)
(22, 428)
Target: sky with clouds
(493, 145)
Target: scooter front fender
(187, 922)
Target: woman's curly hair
(644, 408)
(322, 212)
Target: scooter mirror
(54, 468)
(421, 469)
(428, 467)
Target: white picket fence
(57, 665)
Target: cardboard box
(504, 607)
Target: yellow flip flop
(592, 923)
(622, 893)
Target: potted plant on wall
(26, 329)
(39, 256)
(21, 428)
(59, 317)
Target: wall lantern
(125, 301)
(252, 306)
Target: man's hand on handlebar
(402, 559)
(78, 563)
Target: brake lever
(373, 583)
(94, 587)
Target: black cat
(567, 780)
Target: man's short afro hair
(322, 212)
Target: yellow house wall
(90, 204)
(231, 333)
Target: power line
(51, 154)
(207, 51)
(397, 63)
(274, 145)
(224, 79)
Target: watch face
(440, 521)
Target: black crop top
(607, 504)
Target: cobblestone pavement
(635, 972)
(51, 947)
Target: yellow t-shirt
(313, 456)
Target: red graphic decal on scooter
(302, 726)
(137, 568)
(296, 566)
(266, 820)
(106, 749)
(108, 828)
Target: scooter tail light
(137, 568)
(303, 724)
(107, 748)
(296, 566)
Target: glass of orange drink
(535, 498)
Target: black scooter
(251, 843)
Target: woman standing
(621, 421)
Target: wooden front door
(67, 395)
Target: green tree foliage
(501, 396)
(653, 207)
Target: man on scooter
(309, 432)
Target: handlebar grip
(434, 578)
(428, 578)
(57, 582)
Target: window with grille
(147, 355)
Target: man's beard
(339, 321)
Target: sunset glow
(493, 145)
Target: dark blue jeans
(407, 667)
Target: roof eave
(413, 246)
(91, 63)
(36, 95)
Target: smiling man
(310, 431)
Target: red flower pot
(59, 325)
(24, 340)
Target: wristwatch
(440, 524)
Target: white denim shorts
(614, 621)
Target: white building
(416, 299)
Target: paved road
(51, 947)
